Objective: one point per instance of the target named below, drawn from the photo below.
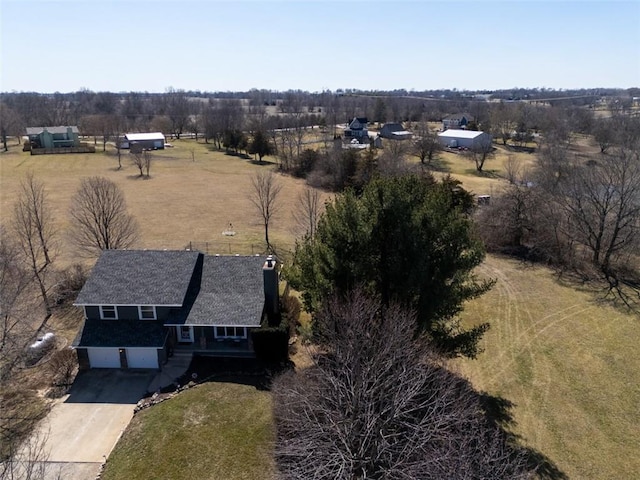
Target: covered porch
(221, 341)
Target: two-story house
(53, 137)
(140, 305)
(357, 128)
(458, 120)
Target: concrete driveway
(84, 427)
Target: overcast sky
(314, 45)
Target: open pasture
(193, 195)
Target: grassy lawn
(569, 364)
(488, 182)
(213, 431)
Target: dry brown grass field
(183, 201)
(568, 362)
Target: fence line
(225, 248)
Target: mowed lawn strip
(213, 431)
(570, 365)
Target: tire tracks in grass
(519, 334)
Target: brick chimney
(271, 290)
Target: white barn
(463, 138)
(148, 141)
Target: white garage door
(104, 357)
(142, 357)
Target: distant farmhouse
(61, 139)
(357, 129)
(463, 138)
(145, 141)
(460, 120)
(395, 131)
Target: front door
(185, 334)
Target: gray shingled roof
(121, 333)
(458, 116)
(231, 293)
(393, 127)
(59, 129)
(138, 277)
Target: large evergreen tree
(260, 145)
(407, 239)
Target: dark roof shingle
(57, 129)
(121, 333)
(231, 293)
(139, 277)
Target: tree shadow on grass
(438, 165)
(622, 294)
(242, 155)
(263, 163)
(498, 413)
(139, 177)
(473, 172)
(243, 371)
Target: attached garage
(142, 358)
(104, 357)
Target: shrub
(271, 344)
(69, 282)
(290, 307)
(63, 366)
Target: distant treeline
(212, 115)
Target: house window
(147, 312)
(108, 312)
(231, 332)
(185, 334)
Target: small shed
(147, 141)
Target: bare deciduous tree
(504, 120)
(33, 227)
(178, 109)
(265, 189)
(376, 404)
(10, 124)
(63, 366)
(393, 160)
(100, 125)
(15, 305)
(602, 202)
(425, 144)
(308, 211)
(141, 159)
(100, 217)
(481, 151)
